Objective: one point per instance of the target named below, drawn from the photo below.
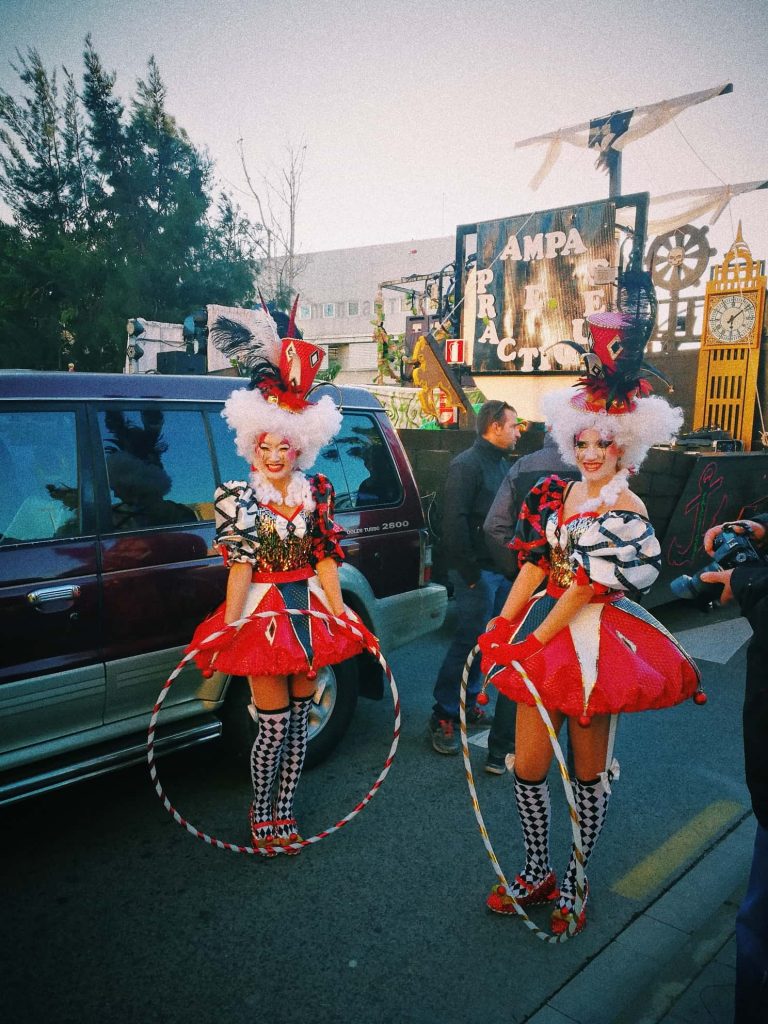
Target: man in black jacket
(749, 586)
(473, 479)
(499, 527)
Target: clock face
(732, 318)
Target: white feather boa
(609, 493)
(298, 492)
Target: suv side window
(371, 475)
(158, 465)
(40, 492)
(231, 465)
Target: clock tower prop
(727, 379)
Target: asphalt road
(112, 913)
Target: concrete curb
(640, 975)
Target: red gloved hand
(498, 633)
(505, 654)
(354, 620)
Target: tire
(332, 709)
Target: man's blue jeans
(752, 940)
(474, 607)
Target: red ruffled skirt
(613, 657)
(278, 644)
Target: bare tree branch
(277, 199)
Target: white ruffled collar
(609, 494)
(298, 492)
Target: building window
(405, 304)
(366, 309)
(392, 305)
(353, 309)
(329, 309)
(305, 311)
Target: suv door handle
(39, 597)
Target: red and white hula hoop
(293, 847)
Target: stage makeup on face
(276, 456)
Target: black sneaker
(495, 765)
(477, 717)
(445, 738)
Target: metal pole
(613, 159)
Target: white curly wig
(250, 415)
(652, 421)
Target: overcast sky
(410, 108)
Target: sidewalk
(675, 964)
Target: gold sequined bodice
(562, 543)
(277, 543)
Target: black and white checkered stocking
(291, 764)
(265, 759)
(591, 806)
(534, 808)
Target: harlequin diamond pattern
(265, 757)
(615, 348)
(271, 631)
(592, 807)
(534, 807)
(292, 762)
(296, 595)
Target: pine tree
(112, 219)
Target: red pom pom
(500, 890)
(483, 698)
(585, 720)
(699, 697)
(312, 674)
(208, 672)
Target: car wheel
(333, 706)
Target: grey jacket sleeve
(499, 527)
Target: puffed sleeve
(530, 540)
(618, 551)
(327, 535)
(235, 534)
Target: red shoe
(262, 841)
(562, 917)
(542, 892)
(288, 839)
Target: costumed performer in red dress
(278, 538)
(590, 651)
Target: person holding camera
(748, 585)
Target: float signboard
(538, 276)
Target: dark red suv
(107, 564)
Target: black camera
(731, 549)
